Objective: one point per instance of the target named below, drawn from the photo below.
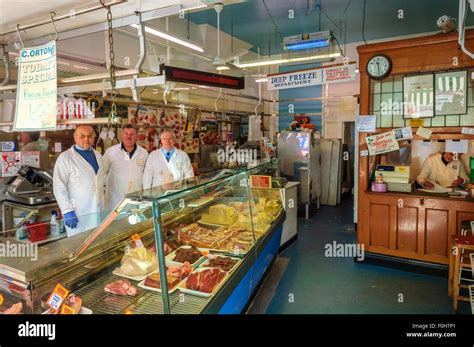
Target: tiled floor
(313, 283)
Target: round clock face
(379, 66)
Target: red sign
(176, 74)
(257, 181)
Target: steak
(121, 287)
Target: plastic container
(37, 231)
(54, 225)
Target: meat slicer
(33, 186)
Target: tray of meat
(190, 254)
(121, 287)
(227, 264)
(174, 275)
(204, 282)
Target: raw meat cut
(14, 309)
(121, 287)
(206, 280)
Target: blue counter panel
(240, 296)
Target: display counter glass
(178, 248)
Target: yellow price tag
(1, 299)
(65, 309)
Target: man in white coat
(124, 165)
(443, 169)
(166, 164)
(78, 183)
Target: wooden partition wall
(420, 227)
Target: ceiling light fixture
(171, 38)
(288, 60)
(223, 67)
(261, 80)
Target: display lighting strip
(220, 68)
(171, 38)
(307, 45)
(289, 60)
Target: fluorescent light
(194, 7)
(63, 63)
(181, 88)
(307, 45)
(289, 60)
(171, 38)
(357, 70)
(260, 80)
(223, 67)
(80, 67)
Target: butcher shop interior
(237, 157)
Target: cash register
(397, 177)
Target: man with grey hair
(166, 164)
(78, 183)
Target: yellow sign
(416, 123)
(36, 97)
(57, 297)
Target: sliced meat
(121, 287)
(193, 281)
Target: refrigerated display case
(195, 246)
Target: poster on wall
(450, 93)
(418, 96)
(10, 163)
(36, 97)
(366, 123)
(382, 143)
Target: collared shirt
(130, 154)
(88, 156)
(167, 154)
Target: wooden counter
(415, 226)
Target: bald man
(78, 183)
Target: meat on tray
(121, 287)
(206, 280)
(174, 275)
(190, 255)
(223, 263)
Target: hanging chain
(113, 107)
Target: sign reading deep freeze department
(36, 97)
(306, 78)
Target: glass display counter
(196, 246)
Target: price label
(138, 241)
(258, 181)
(65, 309)
(57, 297)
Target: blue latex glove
(71, 220)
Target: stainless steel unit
(161, 217)
(32, 187)
(299, 157)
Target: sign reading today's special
(36, 97)
(382, 143)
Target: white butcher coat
(123, 175)
(158, 171)
(435, 171)
(78, 188)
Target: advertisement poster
(36, 97)
(403, 133)
(450, 96)
(418, 98)
(11, 162)
(382, 143)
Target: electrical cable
(273, 20)
(342, 53)
(363, 24)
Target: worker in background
(123, 166)
(29, 143)
(166, 164)
(78, 183)
(442, 169)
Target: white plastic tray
(133, 278)
(182, 285)
(84, 310)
